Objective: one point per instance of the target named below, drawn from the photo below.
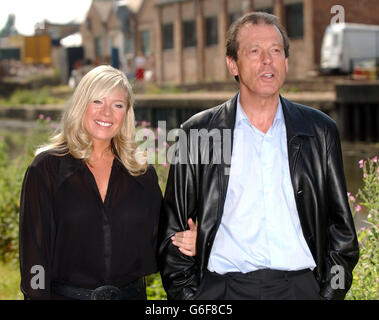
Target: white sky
(30, 12)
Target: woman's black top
(68, 235)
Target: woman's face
(103, 118)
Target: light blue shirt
(260, 226)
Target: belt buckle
(106, 293)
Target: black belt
(268, 274)
(106, 292)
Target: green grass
(10, 282)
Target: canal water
(352, 152)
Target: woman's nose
(107, 108)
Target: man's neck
(260, 110)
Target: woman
(90, 203)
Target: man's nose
(266, 57)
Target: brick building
(190, 34)
(183, 41)
(100, 31)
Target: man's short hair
(253, 18)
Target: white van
(345, 44)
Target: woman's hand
(186, 240)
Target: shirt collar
(69, 165)
(241, 115)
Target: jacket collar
(296, 123)
(226, 116)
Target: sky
(30, 12)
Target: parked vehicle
(345, 45)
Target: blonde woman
(90, 203)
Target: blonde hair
(71, 136)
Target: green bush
(11, 176)
(366, 274)
(10, 185)
(26, 96)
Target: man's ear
(286, 62)
(232, 66)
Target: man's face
(261, 64)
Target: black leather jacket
(198, 191)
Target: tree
(9, 29)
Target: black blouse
(78, 240)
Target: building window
(294, 20)
(234, 16)
(145, 42)
(167, 36)
(211, 31)
(89, 24)
(189, 34)
(128, 45)
(98, 51)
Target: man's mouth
(103, 124)
(268, 75)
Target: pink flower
(364, 176)
(358, 208)
(348, 194)
(363, 229)
(165, 164)
(145, 123)
(41, 116)
(48, 119)
(352, 199)
(375, 159)
(165, 144)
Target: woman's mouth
(103, 123)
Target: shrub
(366, 274)
(26, 96)
(10, 185)
(11, 177)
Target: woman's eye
(119, 106)
(97, 101)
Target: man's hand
(186, 240)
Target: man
(276, 223)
